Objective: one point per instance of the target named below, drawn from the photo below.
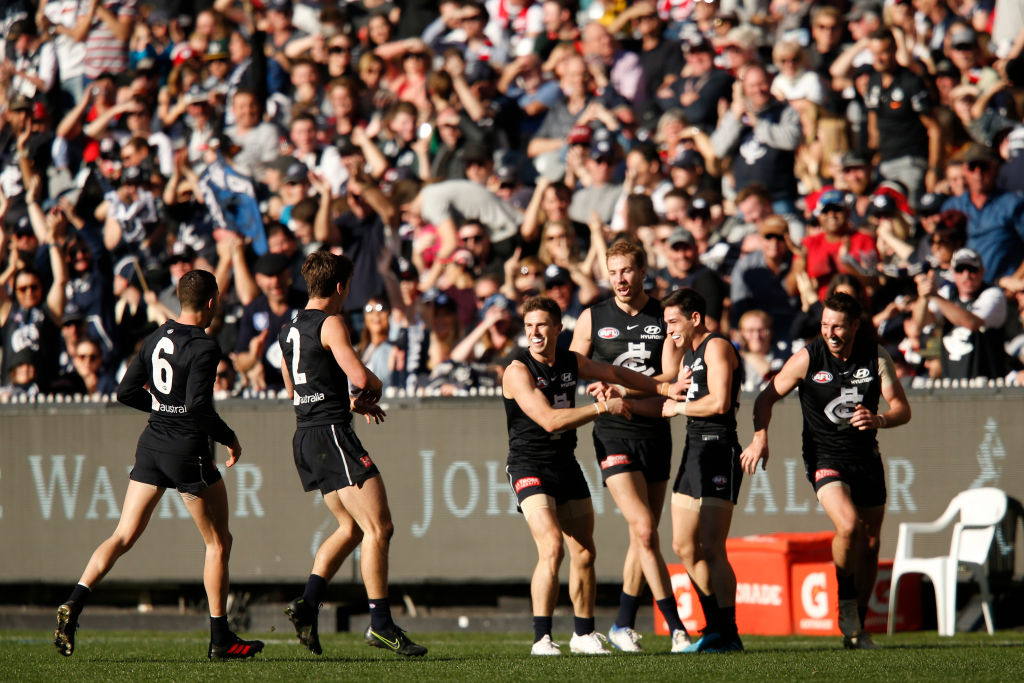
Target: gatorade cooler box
(786, 584)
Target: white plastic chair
(980, 511)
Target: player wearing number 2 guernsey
(841, 376)
(318, 363)
(178, 363)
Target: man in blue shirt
(995, 220)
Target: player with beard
(708, 483)
(634, 455)
(840, 378)
(539, 389)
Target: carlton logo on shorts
(719, 480)
(525, 483)
(614, 461)
(608, 333)
(542, 383)
(367, 463)
(824, 474)
(822, 377)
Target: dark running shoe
(64, 634)
(394, 639)
(298, 612)
(236, 649)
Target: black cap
(476, 152)
(297, 173)
(854, 159)
(698, 44)
(347, 148)
(699, 208)
(24, 357)
(931, 204)
(556, 275)
(507, 175)
(271, 264)
(405, 269)
(110, 150)
(72, 316)
(477, 71)
(181, 253)
(602, 149)
(133, 175)
(688, 158)
(23, 228)
(22, 27)
(882, 205)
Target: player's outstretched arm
(132, 389)
(780, 385)
(613, 374)
(334, 337)
(517, 384)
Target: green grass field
(147, 656)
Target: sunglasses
(374, 308)
(834, 208)
(773, 236)
(338, 50)
(471, 239)
(88, 356)
(29, 288)
(968, 269)
(976, 166)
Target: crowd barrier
(64, 467)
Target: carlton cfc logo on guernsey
(822, 377)
(542, 383)
(608, 333)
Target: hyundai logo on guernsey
(567, 378)
(608, 333)
(652, 329)
(861, 375)
(822, 377)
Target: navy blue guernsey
(179, 363)
(633, 342)
(321, 395)
(724, 423)
(527, 440)
(830, 392)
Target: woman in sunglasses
(375, 350)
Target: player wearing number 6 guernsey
(840, 378)
(178, 364)
(539, 388)
(318, 367)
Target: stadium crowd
(466, 155)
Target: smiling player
(841, 377)
(539, 388)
